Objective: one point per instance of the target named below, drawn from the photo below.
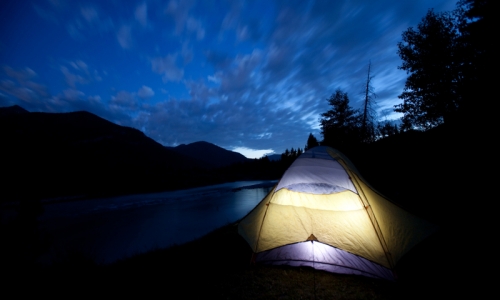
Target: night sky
(248, 76)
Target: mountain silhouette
(212, 155)
(12, 110)
(78, 153)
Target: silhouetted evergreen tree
(341, 125)
(289, 156)
(449, 59)
(386, 130)
(477, 50)
(429, 55)
(285, 154)
(311, 142)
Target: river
(110, 229)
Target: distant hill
(212, 155)
(78, 153)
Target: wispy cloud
(84, 22)
(179, 11)
(145, 92)
(124, 99)
(195, 26)
(71, 78)
(22, 85)
(46, 14)
(167, 67)
(141, 14)
(90, 14)
(124, 36)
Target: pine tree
(429, 55)
(341, 125)
(311, 142)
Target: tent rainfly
(324, 215)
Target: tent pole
(369, 212)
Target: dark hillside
(422, 171)
(12, 110)
(436, 174)
(210, 154)
(78, 153)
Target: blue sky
(248, 76)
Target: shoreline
(63, 199)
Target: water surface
(113, 228)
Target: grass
(218, 266)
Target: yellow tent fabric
(356, 230)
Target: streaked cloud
(141, 14)
(145, 92)
(124, 36)
(89, 14)
(167, 67)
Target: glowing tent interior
(324, 215)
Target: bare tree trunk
(367, 97)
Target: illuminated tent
(324, 215)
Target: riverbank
(108, 229)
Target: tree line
(447, 58)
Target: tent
(324, 215)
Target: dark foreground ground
(218, 266)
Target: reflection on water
(114, 228)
